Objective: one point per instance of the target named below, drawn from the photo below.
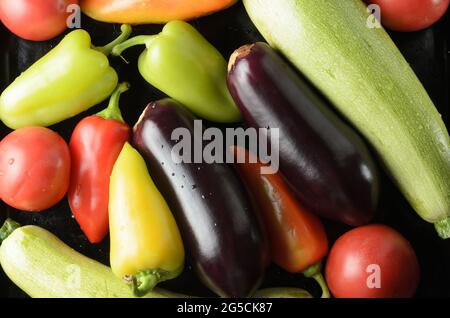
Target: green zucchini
(44, 267)
(282, 292)
(361, 71)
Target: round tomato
(34, 168)
(410, 15)
(372, 261)
(36, 20)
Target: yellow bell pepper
(146, 245)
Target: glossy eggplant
(223, 237)
(325, 162)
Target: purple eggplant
(223, 237)
(325, 162)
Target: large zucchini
(361, 71)
(44, 267)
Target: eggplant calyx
(8, 227)
(443, 228)
(315, 272)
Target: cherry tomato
(372, 261)
(35, 20)
(34, 168)
(410, 15)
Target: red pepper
(95, 146)
(297, 238)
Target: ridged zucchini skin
(44, 267)
(361, 71)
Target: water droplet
(11, 161)
(194, 187)
(162, 163)
(184, 176)
(198, 168)
(182, 187)
(72, 216)
(162, 146)
(215, 224)
(44, 190)
(173, 174)
(203, 197)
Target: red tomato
(34, 168)
(372, 261)
(410, 15)
(36, 20)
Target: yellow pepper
(146, 245)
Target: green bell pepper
(181, 63)
(68, 80)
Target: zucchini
(361, 71)
(44, 267)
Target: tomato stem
(8, 227)
(112, 112)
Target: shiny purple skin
(324, 161)
(223, 238)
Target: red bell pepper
(95, 145)
(297, 238)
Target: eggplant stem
(125, 34)
(112, 112)
(8, 227)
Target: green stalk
(137, 40)
(125, 34)
(8, 227)
(314, 272)
(443, 228)
(112, 112)
(145, 281)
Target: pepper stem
(443, 228)
(314, 272)
(137, 40)
(144, 281)
(112, 112)
(125, 34)
(8, 227)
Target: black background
(426, 51)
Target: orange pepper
(151, 11)
(297, 238)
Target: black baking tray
(426, 51)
